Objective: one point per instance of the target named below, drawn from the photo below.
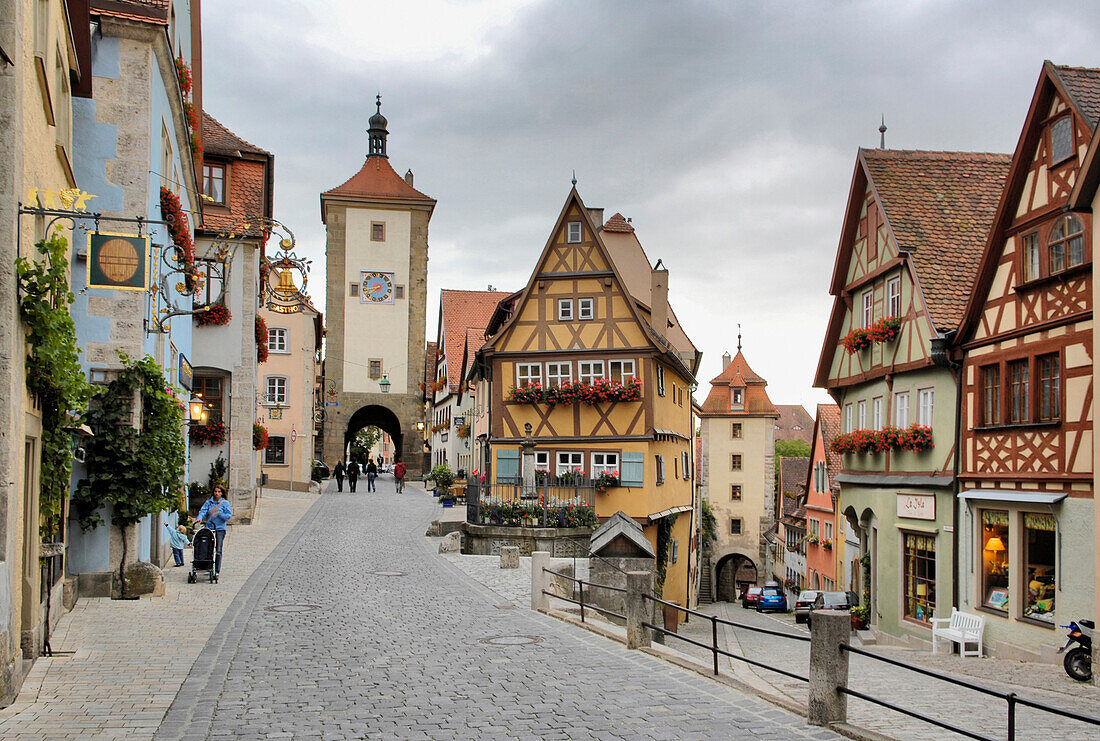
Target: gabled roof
(828, 426)
(377, 180)
(1081, 88)
(738, 374)
(939, 206)
(461, 312)
(790, 417)
(620, 524)
(792, 481)
(618, 225)
(218, 140)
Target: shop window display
(1039, 544)
(920, 576)
(995, 559)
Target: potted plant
(860, 617)
(444, 479)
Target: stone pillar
(540, 580)
(509, 557)
(638, 585)
(828, 667)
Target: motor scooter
(1078, 660)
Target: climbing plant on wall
(664, 541)
(54, 375)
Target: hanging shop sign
(375, 288)
(118, 261)
(917, 506)
(185, 374)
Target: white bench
(962, 628)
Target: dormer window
(737, 397)
(1061, 139)
(574, 232)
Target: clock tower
(376, 254)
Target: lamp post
(196, 408)
(384, 384)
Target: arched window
(1066, 245)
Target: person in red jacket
(399, 476)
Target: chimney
(726, 360)
(659, 300)
(409, 177)
(597, 216)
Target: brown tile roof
(940, 206)
(1083, 85)
(792, 416)
(218, 140)
(377, 179)
(155, 11)
(460, 311)
(738, 374)
(618, 225)
(792, 483)
(828, 420)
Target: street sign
(293, 436)
(332, 403)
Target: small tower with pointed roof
(376, 255)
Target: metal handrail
(716, 651)
(581, 581)
(731, 623)
(918, 716)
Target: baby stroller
(202, 555)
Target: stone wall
(487, 540)
(612, 572)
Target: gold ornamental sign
(118, 261)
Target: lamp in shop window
(922, 590)
(995, 545)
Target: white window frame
(277, 340)
(528, 374)
(558, 374)
(849, 411)
(586, 308)
(828, 531)
(208, 178)
(901, 409)
(542, 460)
(876, 413)
(587, 371)
(565, 309)
(737, 397)
(926, 404)
(568, 460)
(619, 367)
(608, 463)
(868, 307)
(272, 393)
(861, 412)
(893, 297)
(574, 232)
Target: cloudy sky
(726, 130)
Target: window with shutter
(633, 469)
(507, 466)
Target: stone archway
(733, 573)
(373, 415)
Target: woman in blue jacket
(216, 512)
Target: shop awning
(1011, 495)
(671, 511)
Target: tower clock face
(377, 288)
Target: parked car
(750, 596)
(831, 601)
(772, 597)
(808, 600)
(320, 470)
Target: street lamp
(197, 410)
(384, 384)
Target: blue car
(772, 597)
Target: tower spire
(739, 337)
(377, 133)
(882, 133)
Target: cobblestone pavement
(129, 659)
(969, 709)
(363, 631)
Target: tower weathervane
(882, 133)
(739, 337)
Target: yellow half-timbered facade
(595, 314)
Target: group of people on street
(352, 470)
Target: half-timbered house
(909, 248)
(595, 315)
(1026, 499)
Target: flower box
(601, 391)
(215, 315)
(259, 437)
(861, 338)
(915, 438)
(211, 433)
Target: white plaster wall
(376, 330)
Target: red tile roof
(155, 11)
(792, 483)
(460, 311)
(618, 224)
(218, 140)
(793, 416)
(738, 374)
(1083, 85)
(940, 206)
(377, 179)
(828, 420)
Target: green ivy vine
(664, 541)
(53, 368)
(137, 470)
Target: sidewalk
(129, 659)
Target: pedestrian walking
(216, 512)
(399, 472)
(372, 474)
(353, 475)
(338, 474)
(178, 540)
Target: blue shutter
(507, 466)
(633, 469)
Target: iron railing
(580, 593)
(552, 503)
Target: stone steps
(705, 592)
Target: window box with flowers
(568, 478)
(812, 539)
(259, 437)
(601, 391)
(827, 544)
(605, 481)
(463, 431)
(861, 338)
(915, 439)
(441, 426)
(211, 433)
(215, 315)
(183, 72)
(171, 211)
(261, 340)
